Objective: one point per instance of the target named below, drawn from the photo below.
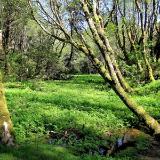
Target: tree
(55, 18)
(5, 120)
(12, 25)
(143, 23)
(136, 23)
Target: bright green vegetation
(83, 104)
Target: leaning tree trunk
(106, 50)
(95, 24)
(120, 77)
(138, 110)
(5, 121)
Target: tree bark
(5, 120)
(95, 24)
(147, 64)
(6, 28)
(128, 101)
(104, 46)
(143, 19)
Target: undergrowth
(84, 108)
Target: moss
(4, 113)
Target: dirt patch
(153, 153)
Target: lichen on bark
(5, 120)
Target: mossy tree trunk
(97, 29)
(150, 75)
(5, 120)
(115, 81)
(107, 69)
(143, 20)
(128, 101)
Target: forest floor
(153, 153)
(71, 119)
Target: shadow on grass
(112, 106)
(32, 152)
(71, 101)
(79, 141)
(90, 141)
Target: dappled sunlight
(82, 80)
(52, 107)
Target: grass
(83, 105)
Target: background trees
(92, 18)
(136, 24)
(56, 39)
(123, 22)
(28, 54)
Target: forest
(80, 80)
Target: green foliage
(34, 152)
(148, 96)
(151, 88)
(80, 106)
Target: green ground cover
(83, 106)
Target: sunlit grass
(84, 102)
